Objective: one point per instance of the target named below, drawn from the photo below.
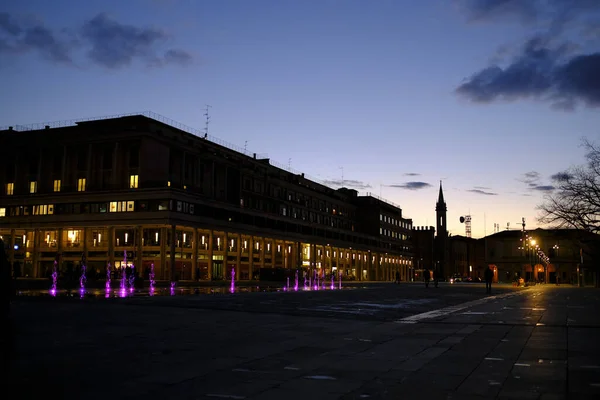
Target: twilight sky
(490, 96)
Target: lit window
(57, 185)
(10, 188)
(122, 206)
(3, 212)
(81, 185)
(32, 187)
(169, 183)
(133, 181)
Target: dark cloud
(411, 174)
(547, 67)
(561, 177)
(543, 188)
(48, 44)
(18, 39)
(108, 43)
(349, 183)
(9, 25)
(557, 12)
(178, 56)
(480, 10)
(479, 191)
(411, 185)
(532, 180)
(539, 73)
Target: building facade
(544, 255)
(138, 191)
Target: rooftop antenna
(245, 145)
(207, 120)
(289, 163)
(342, 168)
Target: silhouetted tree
(576, 201)
(576, 204)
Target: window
(2, 212)
(57, 185)
(10, 188)
(81, 185)
(133, 181)
(43, 209)
(33, 187)
(121, 206)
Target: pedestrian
(489, 276)
(427, 277)
(436, 277)
(397, 277)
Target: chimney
(255, 156)
(10, 128)
(47, 127)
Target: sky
(390, 97)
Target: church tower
(441, 248)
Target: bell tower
(441, 239)
(440, 212)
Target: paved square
(378, 341)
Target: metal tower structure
(467, 221)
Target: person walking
(427, 277)
(489, 276)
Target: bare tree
(576, 202)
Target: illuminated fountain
(296, 282)
(123, 286)
(108, 273)
(82, 280)
(232, 288)
(132, 279)
(332, 280)
(340, 281)
(152, 282)
(172, 289)
(54, 278)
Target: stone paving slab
(188, 348)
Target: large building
(141, 190)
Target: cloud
(105, 41)
(17, 39)
(556, 12)
(532, 180)
(482, 187)
(544, 188)
(550, 65)
(411, 174)
(561, 177)
(484, 10)
(349, 183)
(411, 185)
(479, 191)
(538, 73)
(9, 25)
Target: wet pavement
(379, 341)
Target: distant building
(543, 255)
(145, 191)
